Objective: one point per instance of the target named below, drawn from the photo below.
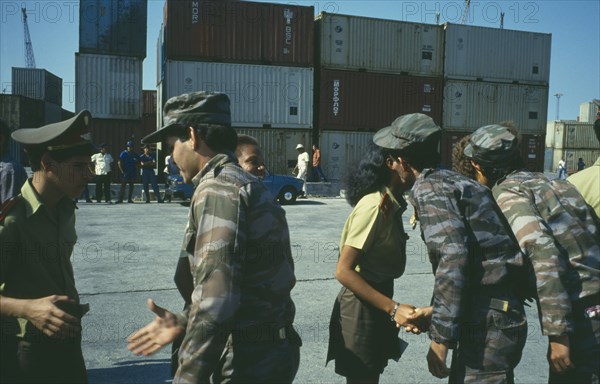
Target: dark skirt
(362, 338)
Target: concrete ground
(127, 253)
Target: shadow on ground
(133, 371)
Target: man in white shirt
(103, 162)
(302, 167)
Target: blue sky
(574, 25)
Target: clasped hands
(414, 319)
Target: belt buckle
(500, 305)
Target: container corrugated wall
(148, 102)
(279, 97)
(52, 113)
(500, 55)
(109, 87)
(113, 27)
(377, 45)
(572, 156)
(469, 105)
(20, 112)
(279, 146)
(341, 151)
(363, 101)
(235, 31)
(571, 134)
(37, 83)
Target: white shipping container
(279, 146)
(588, 112)
(571, 156)
(469, 105)
(261, 95)
(501, 55)
(378, 45)
(110, 87)
(571, 134)
(341, 151)
(37, 83)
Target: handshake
(414, 319)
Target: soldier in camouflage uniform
(475, 258)
(240, 259)
(560, 235)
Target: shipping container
(160, 60)
(378, 45)
(148, 102)
(531, 149)
(341, 151)
(469, 105)
(588, 112)
(234, 31)
(497, 55)
(110, 87)
(261, 95)
(37, 83)
(571, 134)
(52, 113)
(20, 112)
(112, 27)
(364, 101)
(571, 157)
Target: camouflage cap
(67, 134)
(192, 108)
(405, 131)
(492, 145)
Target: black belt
(264, 334)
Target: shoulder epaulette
(7, 205)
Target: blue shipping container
(113, 27)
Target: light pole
(558, 95)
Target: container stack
(570, 140)
(108, 70)
(259, 54)
(369, 72)
(494, 75)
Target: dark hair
(220, 138)
(423, 155)
(369, 175)
(460, 162)
(35, 154)
(244, 140)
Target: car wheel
(287, 195)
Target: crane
(465, 15)
(29, 58)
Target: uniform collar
(392, 204)
(34, 202)
(214, 165)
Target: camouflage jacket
(470, 246)
(241, 262)
(556, 230)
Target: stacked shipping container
(39, 84)
(369, 72)
(259, 54)
(493, 75)
(570, 140)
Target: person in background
(559, 234)
(316, 163)
(127, 166)
(12, 174)
(148, 163)
(580, 164)
(170, 169)
(250, 156)
(363, 332)
(301, 168)
(39, 303)
(587, 181)
(562, 169)
(103, 162)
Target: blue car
(284, 188)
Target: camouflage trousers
(490, 346)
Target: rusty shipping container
(234, 31)
(37, 83)
(261, 95)
(112, 27)
(531, 149)
(469, 105)
(378, 45)
(363, 101)
(148, 102)
(497, 55)
(571, 134)
(110, 87)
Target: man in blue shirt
(127, 165)
(148, 162)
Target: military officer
(560, 235)
(239, 251)
(474, 256)
(39, 303)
